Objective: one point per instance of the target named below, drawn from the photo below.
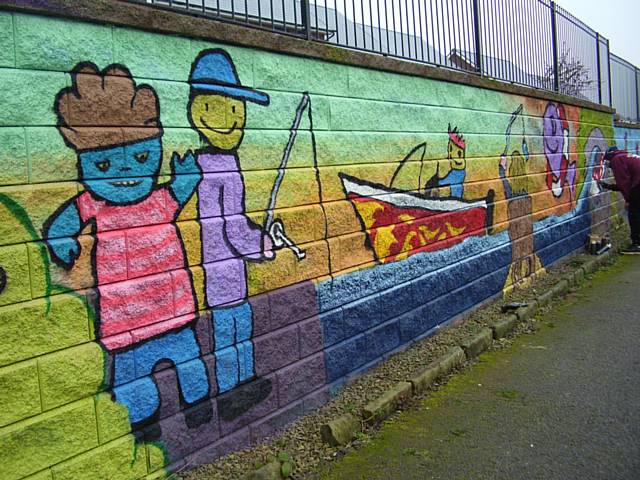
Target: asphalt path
(561, 403)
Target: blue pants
(232, 330)
(132, 382)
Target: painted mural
(200, 243)
(628, 138)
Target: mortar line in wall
(334, 131)
(325, 167)
(326, 238)
(328, 168)
(169, 127)
(15, 40)
(334, 166)
(514, 97)
(284, 209)
(40, 385)
(478, 182)
(341, 200)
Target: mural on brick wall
(191, 256)
(513, 170)
(400, 223)
(561, 170)
(145, 305)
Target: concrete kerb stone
(501, 328)
(593, 264)
(270, 471)
(477, 344)
(387, 403)
(443, 365)
(527, 312)
(341, 430)
(578, 276)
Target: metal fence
(625, 83)
(529, 42)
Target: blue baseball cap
(214, 71)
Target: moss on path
(561, 403)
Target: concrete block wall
(160, 309)
(627, 137)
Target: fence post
(599, 69)
(609, 74)
(637, 72)
(478, 37)
(306, 13)
(554, 39)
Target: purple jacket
(228, 236)
(626, 170)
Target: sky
(617, 20)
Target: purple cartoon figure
(560, 169)
(217, 110)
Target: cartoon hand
(64, 251)
(186, 164)
(503, 161)
(267, 247)
(276, 233)
(280, 240)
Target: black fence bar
(609, 75)
(599, 72)
(306, 18)
(478, 40)
(529, 42)
(637, 75)
(554, 41)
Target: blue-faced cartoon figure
(145, 303)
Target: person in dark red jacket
(626, 170)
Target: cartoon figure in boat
(452, 172)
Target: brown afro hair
(103, 109)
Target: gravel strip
(302, 439)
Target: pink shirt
(144, 287)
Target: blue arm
(186, 176)
(61, 231)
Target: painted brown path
(563, 403)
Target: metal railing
(530, 42)
(625, 83)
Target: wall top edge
(149, 18)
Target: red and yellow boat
(400, 223)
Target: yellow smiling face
(457, 156)
(219, 119)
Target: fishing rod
(273, 226)
(514, 117)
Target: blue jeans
(232, 330)
(132, 382)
